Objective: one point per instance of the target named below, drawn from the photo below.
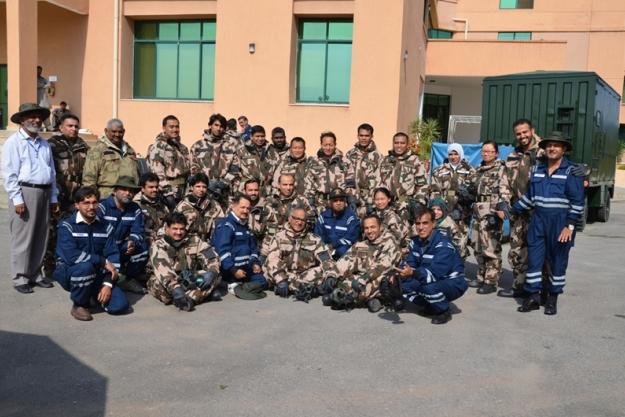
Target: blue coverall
(81, 252)
(557, 200)
(438, 276)
(127, 225)
(340, 232)
(236, 246)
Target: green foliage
(621, 150)
(424, 133)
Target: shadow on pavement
(39, 378)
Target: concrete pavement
(277, 357)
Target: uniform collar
(26, 136)
(81, 219)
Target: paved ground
(281, 358)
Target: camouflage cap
(126, 182)
(250, 291)
(556, 136)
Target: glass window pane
(208, 31)
(189, 71)
(340, 31)
(525, 4)
(145, 70)
(208, 71)
(168, 31)
(311, 72)
(190, 31)
(507, 4)
(523, 36)
(313, 30)
(339, 72)
(166, 70)
(145, 30)
(505, 36)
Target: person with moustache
(365, 160)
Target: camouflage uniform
(256, 221)
(217, 158)
(276, 154)
(154, 213)
(169, 159)
(69, 161)
(365, 163)
(330, 173)
(201, 215)
(405, 176)
(298, 257)
(445, 183)
(168, 261)
(491, 183)
(452, 231)
(275, 214)
(253, 164)
(301, 169)
(107, 162)
(518, 166)
(368, 262)
(394, 224)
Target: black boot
(487, 289)
(551, 307)
(530, 303)
(326, 300)
(512, 293)
(441, 318)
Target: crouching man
(88, 258)
(298, 260)
(434, 271)
(185, 268)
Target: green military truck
(580, 104)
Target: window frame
(326, 42)
(176, 42)
(450, 32)
(514, 36)
(516, 6)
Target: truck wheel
(603, 213)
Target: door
(3, 96)
(436, 106)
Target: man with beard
(338, 226)
(169, 159)
(257, 222)
(279, 147)
(126, 217)
(365, 161)
(30, 182)
(152, 205)
(199, 208)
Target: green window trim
(516, 4)
(514, 36)
(174, 60)
(440, 34)
(324, 61)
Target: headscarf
(442, 204)
(458, 148)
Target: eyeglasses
(299, 219)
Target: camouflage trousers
(463, 229)
(370, 287)
(296, 279)
(486, 240)
(517, 257)
(158, 291)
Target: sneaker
(81, 313)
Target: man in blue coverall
(126, 217)
(88, 258)
(338, 226)
(433, 274)
(556, 193)
(236, 246)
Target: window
(174, 60)
(516, 4)
(324, 61)
(514, 36)
(440, 34)
(437, 106)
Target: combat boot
(487, 289)
(441, 318)
(551, 307)
(326, 300)
(530, 303)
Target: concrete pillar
(21, 53)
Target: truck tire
(603, 213)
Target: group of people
(235, 213)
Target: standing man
(338, 226)
(42, 87)
(30, 182)
(299, 165)
(557, 196)
(70, 153)
(152, 205)
(246, 129)
(57, 114)
(112, 157)
(279, 147)
(365, 160)
(169, 158)
(253, 160)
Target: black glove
(579, 170)
(256, 210)
(456, 214)
(206, 280)
(306, 292)
(493, 221)
(282, 289)
(328, 285)
(181, 300)
(464, 193)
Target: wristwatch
(571, 227)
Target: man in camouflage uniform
(252, 158)
(279, 147)
(519, 163)
(365, 161)
(298, 260)
(332, 171)
(276, 209)
(300, 166)
(216, 155)
(152, 205)
(112, 157)
(450, 182)
(199, 208)
(69, 152)
(363, 267)
(185, 268)
(256, 221)
(169, 159)
(402, 172)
